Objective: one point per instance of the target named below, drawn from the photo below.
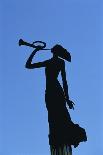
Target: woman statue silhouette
(63, 133)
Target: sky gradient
(78, 26)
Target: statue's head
(59, 51)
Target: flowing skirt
(62, 131)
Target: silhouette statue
(63, 133)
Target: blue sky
(76, 25)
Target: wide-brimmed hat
(61, 52)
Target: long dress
(62, 131)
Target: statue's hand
(70, 104)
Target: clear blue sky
(78, 26)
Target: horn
(22, 42)
(34, 44)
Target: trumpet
(35, 44)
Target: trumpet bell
(21, 42)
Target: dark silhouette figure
(62, 131)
